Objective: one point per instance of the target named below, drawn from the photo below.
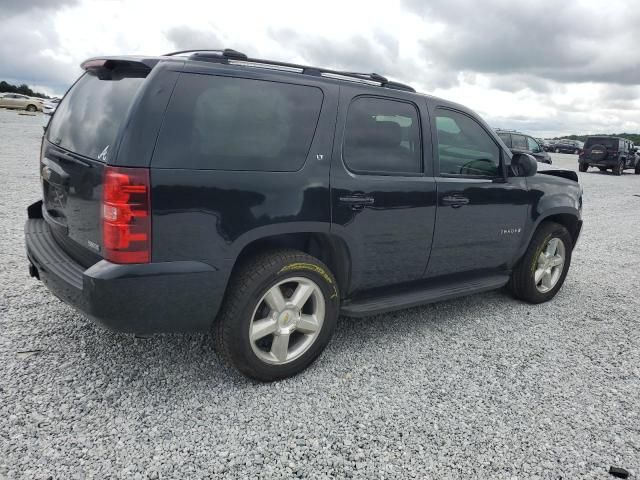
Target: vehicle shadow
(191, 358)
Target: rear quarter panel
(211, 215)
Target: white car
(49, 106)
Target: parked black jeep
(259, 199)
(617, 154)
(523, 143)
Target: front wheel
(279, 314)
(31, 108)
(543, 268)
(619, 168)
(583, 167)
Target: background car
(21, 102)
(522, 143)
(606, 152)
(566, 146)
(50, 105)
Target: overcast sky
(542, 66)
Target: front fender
(551, 198)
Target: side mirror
(524, 165)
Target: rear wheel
(583, 167)
(279, 314)
(619, 168)
(543, 268)
(31, 108)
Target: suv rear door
(383, 192)
(481, 212)
(81, 138)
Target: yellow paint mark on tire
(314, 268)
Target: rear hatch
(81, 139)
(597, 149)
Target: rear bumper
(139, 298)
(609, 163)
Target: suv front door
(481, 211)
(383, 200)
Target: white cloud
(529, 65)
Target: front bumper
(138, 298)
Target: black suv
(566, 146)
(262, 199)
(617, 154)
(523, 143)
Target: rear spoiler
(569, 174)
(115, 68)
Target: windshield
(88, 119)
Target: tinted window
(608, 142)
(519, 142)
(227, 123)
(382, 136)
(464, 147)
(88, 119)
(506, 138)
(533, 146)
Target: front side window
(229, 123)
(464, 147)
(533, 145)
(382, 136)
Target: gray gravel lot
(481, 387)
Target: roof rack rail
(232, 56)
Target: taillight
(126, 215)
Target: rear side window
(519, 142)
(382, 136)
(88, 119)
(506, 138)
(228, 123)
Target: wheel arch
(328, 248)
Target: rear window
(607, 142)
(227, 123)
(88, 119)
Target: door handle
(357, 202)
(455, 201)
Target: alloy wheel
(287, 320)
(549, 265)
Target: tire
(619, 168)
(32, 108)
(576, 152)
(557, 150)
(637, 170)
(246, 300)
(522, 283)
(583, 167)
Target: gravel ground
(479, 387)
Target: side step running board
(412, 298)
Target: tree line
(634, 137)
(22, 89)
